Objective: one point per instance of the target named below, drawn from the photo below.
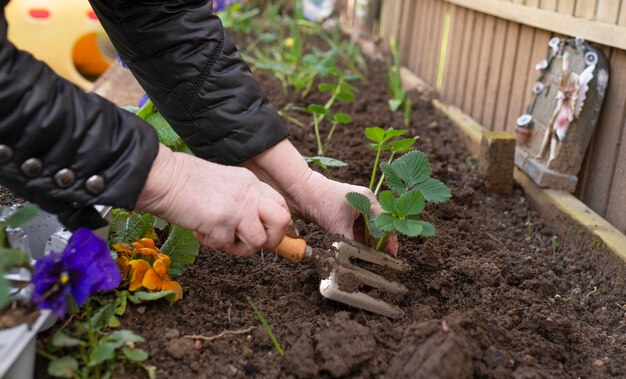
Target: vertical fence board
(608, 11)
(518, 85)
(454, 53)
(615, 209)
(437, 36)
(622, 14)
(505, 87)
(566, 6)
(549, 5)
(532, 3)
(484, 68)
(426, 30)
(474, 62)
(586, 9)
(495, 77)
(465, 54)
(416, 18)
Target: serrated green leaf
(395, 104)
(411, 203)
(120, 303)
(434, 191)
(393, 133)
(403, 145)
(326, 87)
(408, 227)
(101, 353)
(407, 171)
(139, 297)
(182, 247)
(135, 355)
(120, 338)
(343, 118)
(128, 227)
(375, 231)
(392, 179)
(64, 367)
(102, 316)
(375, 134)
(388, 202)
(167, 135)
(360, 202)
(317, 109)
(345, 96)
(386, 222)
(428, 230)
(146, 109)
(60, 339)
(22, 215)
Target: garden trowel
(338, 265)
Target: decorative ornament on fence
(554, 133)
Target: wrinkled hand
(323, 201)
(228, 208)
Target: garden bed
(489, 296)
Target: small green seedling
(324, 163)
(554, 242)
(381, 140)
(399, 99)
(411, 187)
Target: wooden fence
(480, 55)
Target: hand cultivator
(338, 265)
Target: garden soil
(490, 296)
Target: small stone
(599, 363)
(171, 333)
(433, 125)
(141, 310)
(179, 347)
(197, 345)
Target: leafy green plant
(381, 140)
(89, 347)
(411, 187)
(11, 258)
(239, 17)
(399, 99)
(324, 163)
(266, 326)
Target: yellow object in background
(66, 34)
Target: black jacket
(67, 150)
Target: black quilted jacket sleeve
(48, 125)
(181, 55)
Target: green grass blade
(265, 326)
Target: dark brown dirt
(489, 296)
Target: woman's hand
(228, 208)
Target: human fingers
(251, 237)
(276, 220)
(219, 238)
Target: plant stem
(382, 178)
(316, 125)
(373, 178)
(382, 242)
(330, 134)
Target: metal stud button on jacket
(67, 150)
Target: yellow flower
(288, 42)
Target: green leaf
(147, 109)
(411, 203)
(375, 231)
(60, 339)
(408, 227)
(428, 230)
(135, 355)
(393, 133)
(395, 104)
(120, 338)
(131, 108)
(128, 227)
(407, 171)
(388, 202)
(326, 161)
(345, 96)
(141, 296)
(182, 247)
(22, 215)
(167, 135)
(326, 87)
(120, 303)
(375, 134)
(347, 88)
(4, 291)
(102, 316)
(150, 371)
(434, 191)
(114, 322)
(317, 109)
(403, 145)
(343, 118)
(13, 258)
(160, 224)
(386, 222)
(101, 353)
(64, 367)
(360, 202)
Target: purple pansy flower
(82, 269)
(143, 100)
(220, 5)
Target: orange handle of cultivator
(292, 249)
